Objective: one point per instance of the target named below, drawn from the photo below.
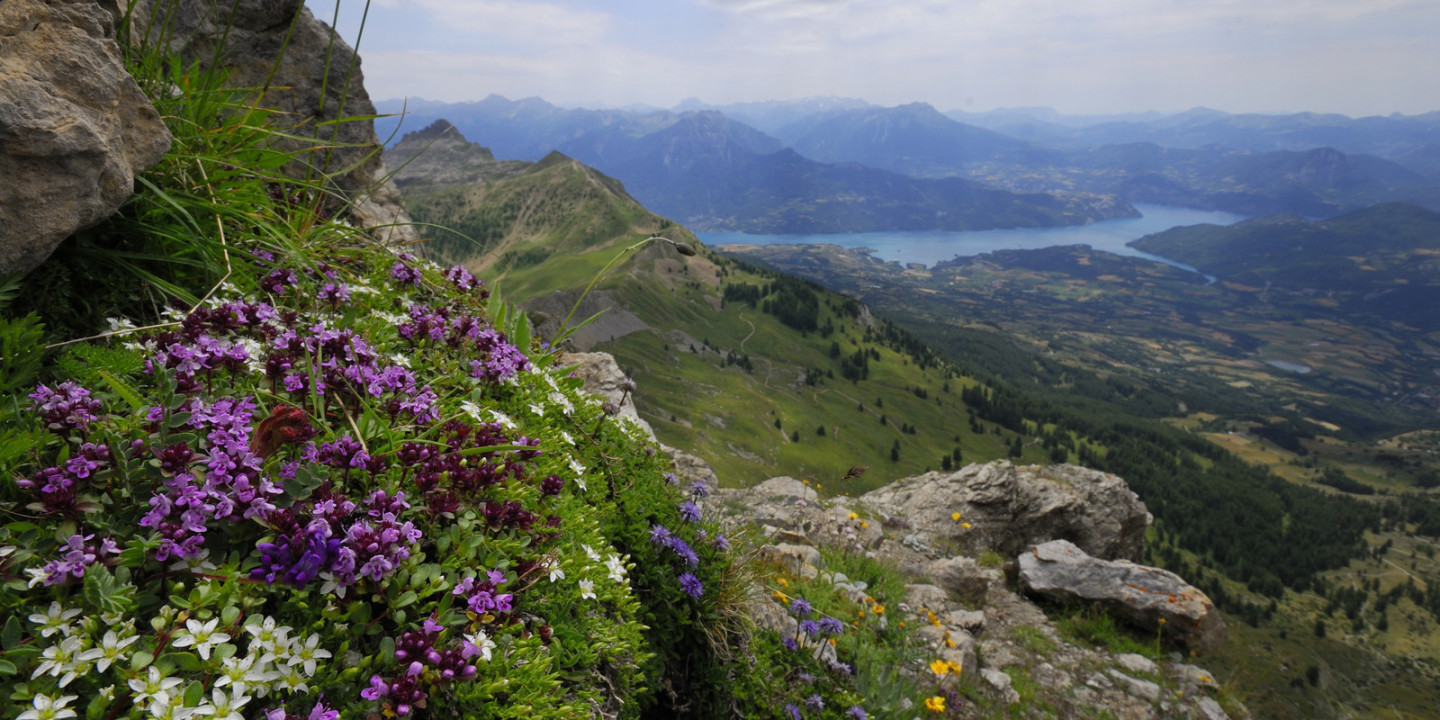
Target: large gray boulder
(297, 66)
(1150, 598)
(1010, 508)
(74, 127)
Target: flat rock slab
(1150, 598)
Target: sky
(1354, 57)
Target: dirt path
(752, 331)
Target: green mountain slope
(741, 366)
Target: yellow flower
(949, 642)
(902, 623)
(854, 516)
(940, 667)
(864, 524)
(783, 582)
(965, 525)
(1162, 621)
(954, 667)
(955, 516)
(878, 609)
(935, 704)
(781, 597)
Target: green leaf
(407, 598)
(126, 393)
(8, 668)
(189, 662)
(104, 593)
(139, 660)
(10, 636)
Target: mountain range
(842, 165)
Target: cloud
(1092, 56)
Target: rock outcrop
(962, 611)
(75, 129)
(1151, 598)
(300, 68)
(1008, 509)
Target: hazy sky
(1357, 57)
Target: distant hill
(772, 115)
(913, 139)
(1384, 136)
(1382, 261)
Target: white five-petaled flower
(400, 360)
(587, 590)
(61, 660)
(482, 642)
(227, 707)
(616, 568)
(556, 573)
(155, 687)
(566, 437)
(590, 553)
(307, 653)
(503, 420)
(539, 410)
(471, 409)
(290, 680)
(559, 399)
(202, 635)
(44, 707)
(111, 649)
(56, 619)
(268, 638)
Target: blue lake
(932, 246)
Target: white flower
(236, 672)
(471, 409)
(482, 642)
(555, 572)
(400, 360)
(107, 693)
(538, 410)
(56, 619)
(616, 567)
(225, 707)
(268, 637)
(332, 585)
(119, 324)
(202, 635)
(290, 680)
(155, 687)
(590, 553)
(587, 590)
(308, 653)
(111, 649)
(44, 707)
(503, 420)
(62, 660)
(566, 437)
(579, 470)
(563, 402)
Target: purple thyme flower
(721, 543)
(461, 278)
(858, 712)
(404, 274)
(691, 585)
(814, 702)
(67, 407)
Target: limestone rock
(74, 127)
(1148, 597)
(961, 577)
(1001, 682)
(1009, 509)
(794, 558)
(602, 376)
(925, 596)
(317, 79)
(1137, 663)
